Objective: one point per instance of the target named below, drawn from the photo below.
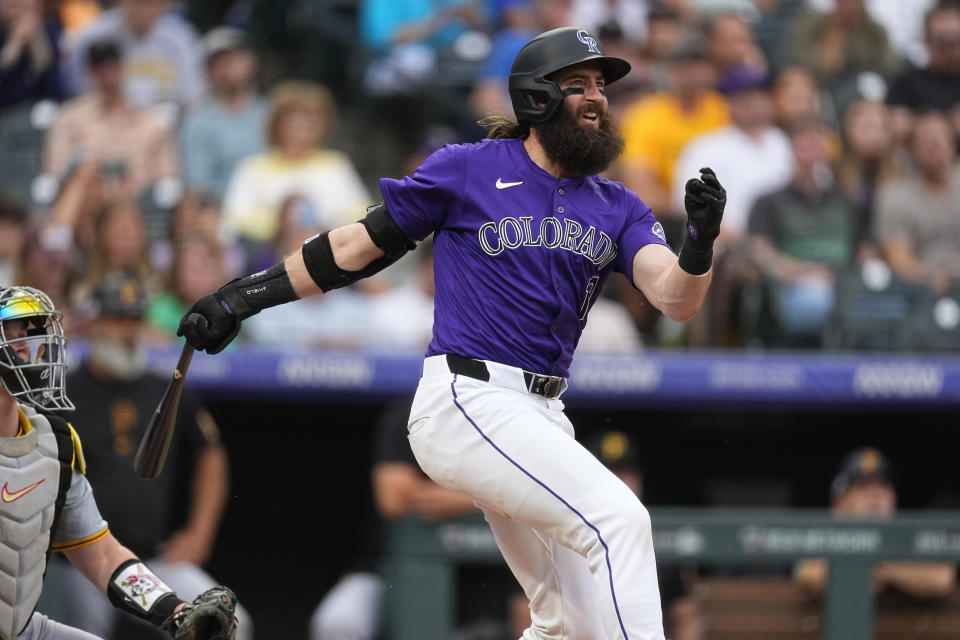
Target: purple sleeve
(641, 228)
(420, 203)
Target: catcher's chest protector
(34, 476)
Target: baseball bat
(152, 452)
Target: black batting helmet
(534, 97)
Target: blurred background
(182, 144)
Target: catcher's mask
(534, 97)
(32, 346)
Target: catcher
(46, 503)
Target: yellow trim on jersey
(77, 463)
(25, 426)
(76, 544)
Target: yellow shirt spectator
(656, 129)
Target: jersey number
(591, 285)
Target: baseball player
(525, 234)
(46, 503)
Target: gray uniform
(30, 475)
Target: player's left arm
(327, 261)
(97, 561)
(676, 293)
(131, 586)
(676, 285)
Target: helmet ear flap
(540, 103)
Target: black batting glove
(223, 310)
(704, 199)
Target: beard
(578, 150)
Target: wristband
(244, 297)
(137, 590)
(695, 257)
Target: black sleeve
(390, 442)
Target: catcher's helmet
(38, 378)
(534, 97)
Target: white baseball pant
(574, 535)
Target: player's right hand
(704, 199)
(222, 324)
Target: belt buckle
(547, 386)
(552, 387)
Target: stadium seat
(934, 325)
(872, 311)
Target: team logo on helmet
(592, 45)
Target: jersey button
(560, 190)
(559, 209)
(556, 328)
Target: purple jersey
(519, 256)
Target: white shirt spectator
(257, 189)
(165, 65)
(747, 167)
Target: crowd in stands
(190, 142)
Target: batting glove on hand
(209, 617)
(704, 199)
(223, 310)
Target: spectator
(423, 58)
(664, 34)
(755, 156)
(838, 46)
(45, 264)
(405, 38)
(657, 127)
(936, 86)
(795, 95)
(339, 318)
(163, 53)
(869, 158)
(771, 25)
(197, 263)
(229, 125)
(29, 53)
(118, 244)
(903, 22)
(917, 226)
(864, 488)
(801, 235)
(731, 43)
(130, 147)
(302, 115)
(629, 17)
(402, 317)
(172, 519)
(13, 219)
(351, 609)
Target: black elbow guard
(386, 235)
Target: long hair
(499, 128)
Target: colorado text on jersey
(553, 233)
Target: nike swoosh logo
(506, 185)
(7, 496)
